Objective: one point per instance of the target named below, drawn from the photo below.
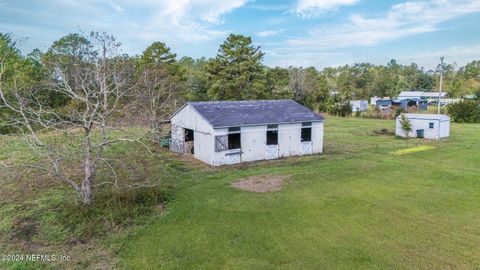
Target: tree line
(237, 72)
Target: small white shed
(359, 105)
(428, 126)
(228, 132)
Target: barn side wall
(444, 129)
(203, 147)
(220, 158)
(188, 118)
(254, 143)
(317, 137)
(289, 139)
(441, 128)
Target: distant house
(421, 104)
(429, 96)
(228, 132)
(373, 100)
(359, 105)
(383, 103)
(428, 126)
(402, 103)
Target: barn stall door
(272, 141)
(232, 158)
(178, 140)
(307, 148)
(272, 151)
(306, 138)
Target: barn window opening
(306, 135)
(234, 138)
(431, 125)
(189, 135)
(272, 134)
(189, 138)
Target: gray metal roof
(424, 94)
(254, 112)
(425, 116)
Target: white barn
(428, 126)
(228, 132)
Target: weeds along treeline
(83, 88)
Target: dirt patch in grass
(261, 183)
(383, 132)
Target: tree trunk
(87, 182)
(89, 168)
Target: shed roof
(253, 112)
(421, 94)
(424, 116)
(411, 94)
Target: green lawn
(371, 202)
(358, 206)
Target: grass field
(360, 205)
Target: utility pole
(440, 84)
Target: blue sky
(318, 33)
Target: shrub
(383, 132)
(405, 124)
(113, 210)
(465, 111)
(23, 228)
(341, 109)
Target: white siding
(253, 139)
(444, 129)
(203, 147)
(289, 140)
(220, 158)
(188, 118)
(441, 128)
(254, 143)
(317, 137)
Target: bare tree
(159, 90)
(297, 81)
(98, 81)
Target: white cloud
(285, 57)
(400, 20)
(136, 23)
(270, 33)
(116, 7)
(188, 20)
(312, 8)
(213, 10)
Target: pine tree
(237, 71)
